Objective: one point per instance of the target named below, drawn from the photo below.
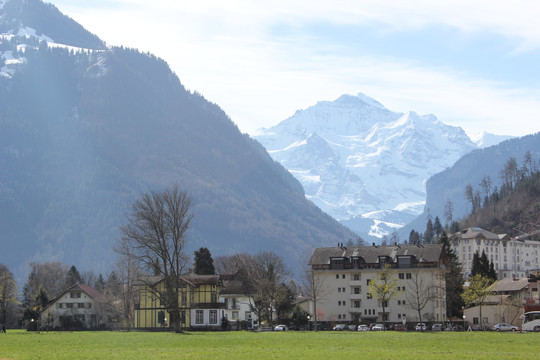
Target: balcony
(355, 296)
(355, 282)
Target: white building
(237, 302)
(345, 273)
(79, 307)
(510, 257)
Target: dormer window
(405, 261)
(337, 263)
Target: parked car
(437, 327)
(378, 327)
(281, 328)
(339, 327)
(363, 328)
(352, 327)
(399, 327)
(421, 327)
(505, 327)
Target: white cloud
(225, 51)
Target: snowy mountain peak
(355, 157)
(484, 139)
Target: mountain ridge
(84, 133)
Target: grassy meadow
(270, 345)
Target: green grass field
(270, 345)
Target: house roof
(190, 278)
(371, 254)
(511, 284)
(90, 291)
(479, 233)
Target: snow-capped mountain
(362, 163)
(484, 139)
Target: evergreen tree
(453, 277)
(414, 237)
(72, 277)
(100, 283)
(204, 264)
(437, 227)
(429, 233)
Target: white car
(378, 327)
(363, 328)
(505, 327)
(421, 327)
(281, 328)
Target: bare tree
(232, 263)
(50, 276)
(267, 271)
(419, 293)
(154, 237)
(128, 273)
(314, 287)
(448, 211)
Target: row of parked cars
(379, 327)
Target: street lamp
(308, 318)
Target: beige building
(510, 257)
(345, 273)
(504, 306)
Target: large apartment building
(511, 257)
(346, 272)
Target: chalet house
(198, 302)
(79, 307)
(346, 272)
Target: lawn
(270, 345)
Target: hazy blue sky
(474, 64)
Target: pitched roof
(479, 233)
(423, 253)
(511, 284)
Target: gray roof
(423, 253)
(511, 284)
(479, 233)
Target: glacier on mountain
(363, 164)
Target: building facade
(79, 307)
(237, 303)
(510, 257)
(198, 302)
(346, 272)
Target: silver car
(505, 327)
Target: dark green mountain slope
(84, 134)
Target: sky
(473, 64)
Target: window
(337, 276)
(339, 316)
(356, 277)
(356, 304)
(475, 320)
(75, 295)
(80, 306)
(344, 303)
(409, 276)
(402, 302)
(356, 290)
(235, 315)
(385, 303)
(403, 288)
(368, 281)
(199, 316)
(399, 302)
(401, 276)
(339, 303)
(338, 289)
(213, 317)
(343, 276)
(369, 296)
